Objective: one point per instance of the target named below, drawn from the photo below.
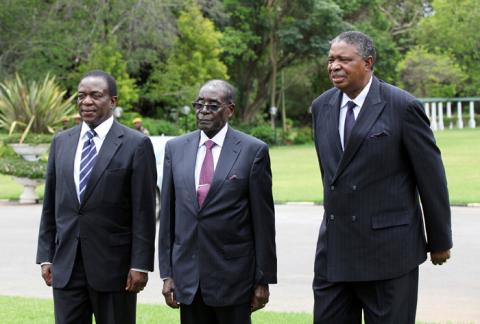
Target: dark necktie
(87, 161)
(206, 173)
(349, 122)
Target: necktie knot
(209, 144)
(91, 134)
(351, 105)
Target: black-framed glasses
(212, 107)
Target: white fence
(454, 109)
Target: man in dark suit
(378, 160)
(97, 231)
(217, 227)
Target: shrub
(32, 107)
(161, 127)
(18, 167)
(303, 135)
(263, 132)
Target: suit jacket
(372, 228)
(226, 246)
(115, 223)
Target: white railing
(434, 108)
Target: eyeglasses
(212, 107)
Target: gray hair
(361, 41)
(226, 88)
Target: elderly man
(217, 227)
(378, 159)
(97, 231)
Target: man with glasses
(217, 227)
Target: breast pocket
(115, 185)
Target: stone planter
(30, 152)
(28, 196)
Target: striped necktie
(89, 155)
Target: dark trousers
(76, 303)
(392, 301)
(200, 313)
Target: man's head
(137, 123)
(350, 62)
(214, 106)
(96, 97)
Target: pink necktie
(206, 173)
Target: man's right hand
(168, 292)
(47, 274)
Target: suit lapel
(230, 150)
(110, 145)
(332, 124)
(188, 165)
(71, 145)
(371, 109)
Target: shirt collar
(360, 99)
(218, 139)
(101, 130)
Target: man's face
(137, 125)
(94, 102)
(347, 70)
(211, 121)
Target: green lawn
(296, 176)
(35, 310)
(20, 310)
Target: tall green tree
(108, 57)
(453, 29)
(264, 37)
(195, 58)
(427, 74)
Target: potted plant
(30, 112)
(28, 174)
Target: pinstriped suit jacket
(373, 226)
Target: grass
(296, 175)
(21, 310)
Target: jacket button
(332, 217)
(332, 188)
(354, 218)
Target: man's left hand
(440, 257)
(136, 281)
(260, 297)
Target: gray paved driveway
(447, 293)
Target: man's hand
(47, 274)
(260, 297)
(440, 257)
(168, 292)
(136, 281)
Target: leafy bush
(30, 138)
(6, 150)
(302, 135)
(18, 167)
(263, 132)
(161, 127)
(32, 107)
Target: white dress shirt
(359, 100)
(102, 131)
(218, 139)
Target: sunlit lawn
(20, 310)
(296, 175)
